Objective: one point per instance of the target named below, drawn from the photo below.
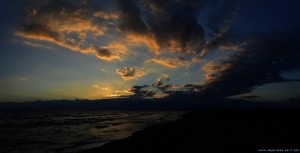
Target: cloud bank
(164, 27)
(70, 25)
(261, 62)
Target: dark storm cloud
(140, 92)
(184, 27)
(173, 26)
(219, 21)
(262, 62)
(163, 24)
(131, 18)
(160, 84)
(250, 97)
(218, 28)
(193, 88)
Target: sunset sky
(94, 49)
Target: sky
(96, 49)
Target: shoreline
(87, 146)
(214, 131)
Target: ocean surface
(71, 131)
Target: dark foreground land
(216, 131)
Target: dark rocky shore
(216, 131)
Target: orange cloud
(214, 70)
(130, 73)
(75, 24)
(118, 47)
(57, 39)
(29, 43)
(170, 62)
(161, 95)
(174, 45)
(65, 26)
(112, 51)
(106, 15)
(39, 32)
(149, 41)
(105, 54)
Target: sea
(72, 131)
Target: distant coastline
(148, 104)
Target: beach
(215, 131)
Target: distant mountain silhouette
(174, 103)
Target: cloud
(161, 95)
(250, 97)
(234, 47)
(29, 43)
(174, 27)
(146, 91)
(118, 47)
(162, 26)
(213, 70)
(170, 62)
(147, 40)
(140, 92)
(130, 73)
(162, 86)
(105, 54)
(193, 87)
(106, 15)
(112, 51)
(39, 32)
(220, 20)
(164, 77)
(261, 62)
(63, 23)
(170, 28)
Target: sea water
(72, 131)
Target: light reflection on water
(69, 131)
